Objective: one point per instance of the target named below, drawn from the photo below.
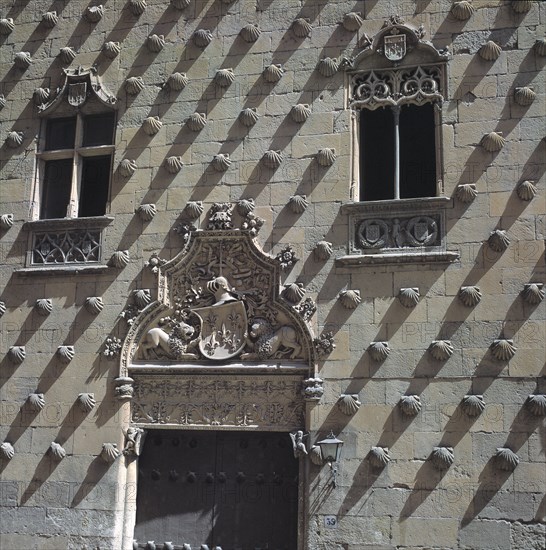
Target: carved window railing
(405, 231)
(67, 242)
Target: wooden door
(233, 490)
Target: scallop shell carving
(315, 455)
(298, 204)
(202, 38)
(442, 457)
(6, 221)
(17, 354)
(94, 304)
(248, 117)
(409, 297)
(462, 10)
(490, 51)
(245, 206)
(67, 55)
(507, 459)
(7, 452)
(498, 240)
(348, 404)
(2, 308)
(302, 27)
(2, 101)
(44, 306)
(111, 49)
(120, 258)
(441, 350)
(323, 250)
(147, 211)
(36, 401)
(493, 142)
(142, 297)
(379, 457)
(65, 353)
(180, 4)
(50, 19)
(350, 298)
(15, 139)
(410, 405)
(533, 293)
(6, 26)
(127, 167)
(466, 192)
(300, 112)
(470, 295)
(197, 121)
(155, 43)
(173, 164)
(221, 162)
(86, 401)
(137, 7)
(522, 6)
(272, 159)
(473, 405)
(152, 125)
(193, 209)
(352, 21)
(134, 84)
(326, 156)
(94, 14)
(293, 292)
(224, 77)
(379, 351)
(526, 190)
(177, 81)
(328, 67)
(537, 404)
(22, 60)
(57, 451)
(250, 33)
(110, 452)
(41, 95)
(503, 349)
(540, 47)
(273, 73)
(524, 95)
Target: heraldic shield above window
(397, 85)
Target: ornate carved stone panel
(238, 401)
(218, 300)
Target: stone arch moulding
(219, 349)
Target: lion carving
(176, 344)
(264, 342)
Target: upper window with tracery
(397, 85)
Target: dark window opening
(60, 133)
(98, 130)
(417, 153)
(56, 188)
(94, 186)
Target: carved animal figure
(157, 339)
(266, 342)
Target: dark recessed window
(57, 185)
(60, 133)
(98, 130)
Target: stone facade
(412, 329)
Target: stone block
(414, 532)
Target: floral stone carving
(112, 347)
(306, 309)
(220, 214)
(287, 258)
(325, 344)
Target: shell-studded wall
(426, 315)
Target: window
(75, 166)
(398, 132)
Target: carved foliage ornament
(218, 300)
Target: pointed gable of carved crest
(219, 303)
